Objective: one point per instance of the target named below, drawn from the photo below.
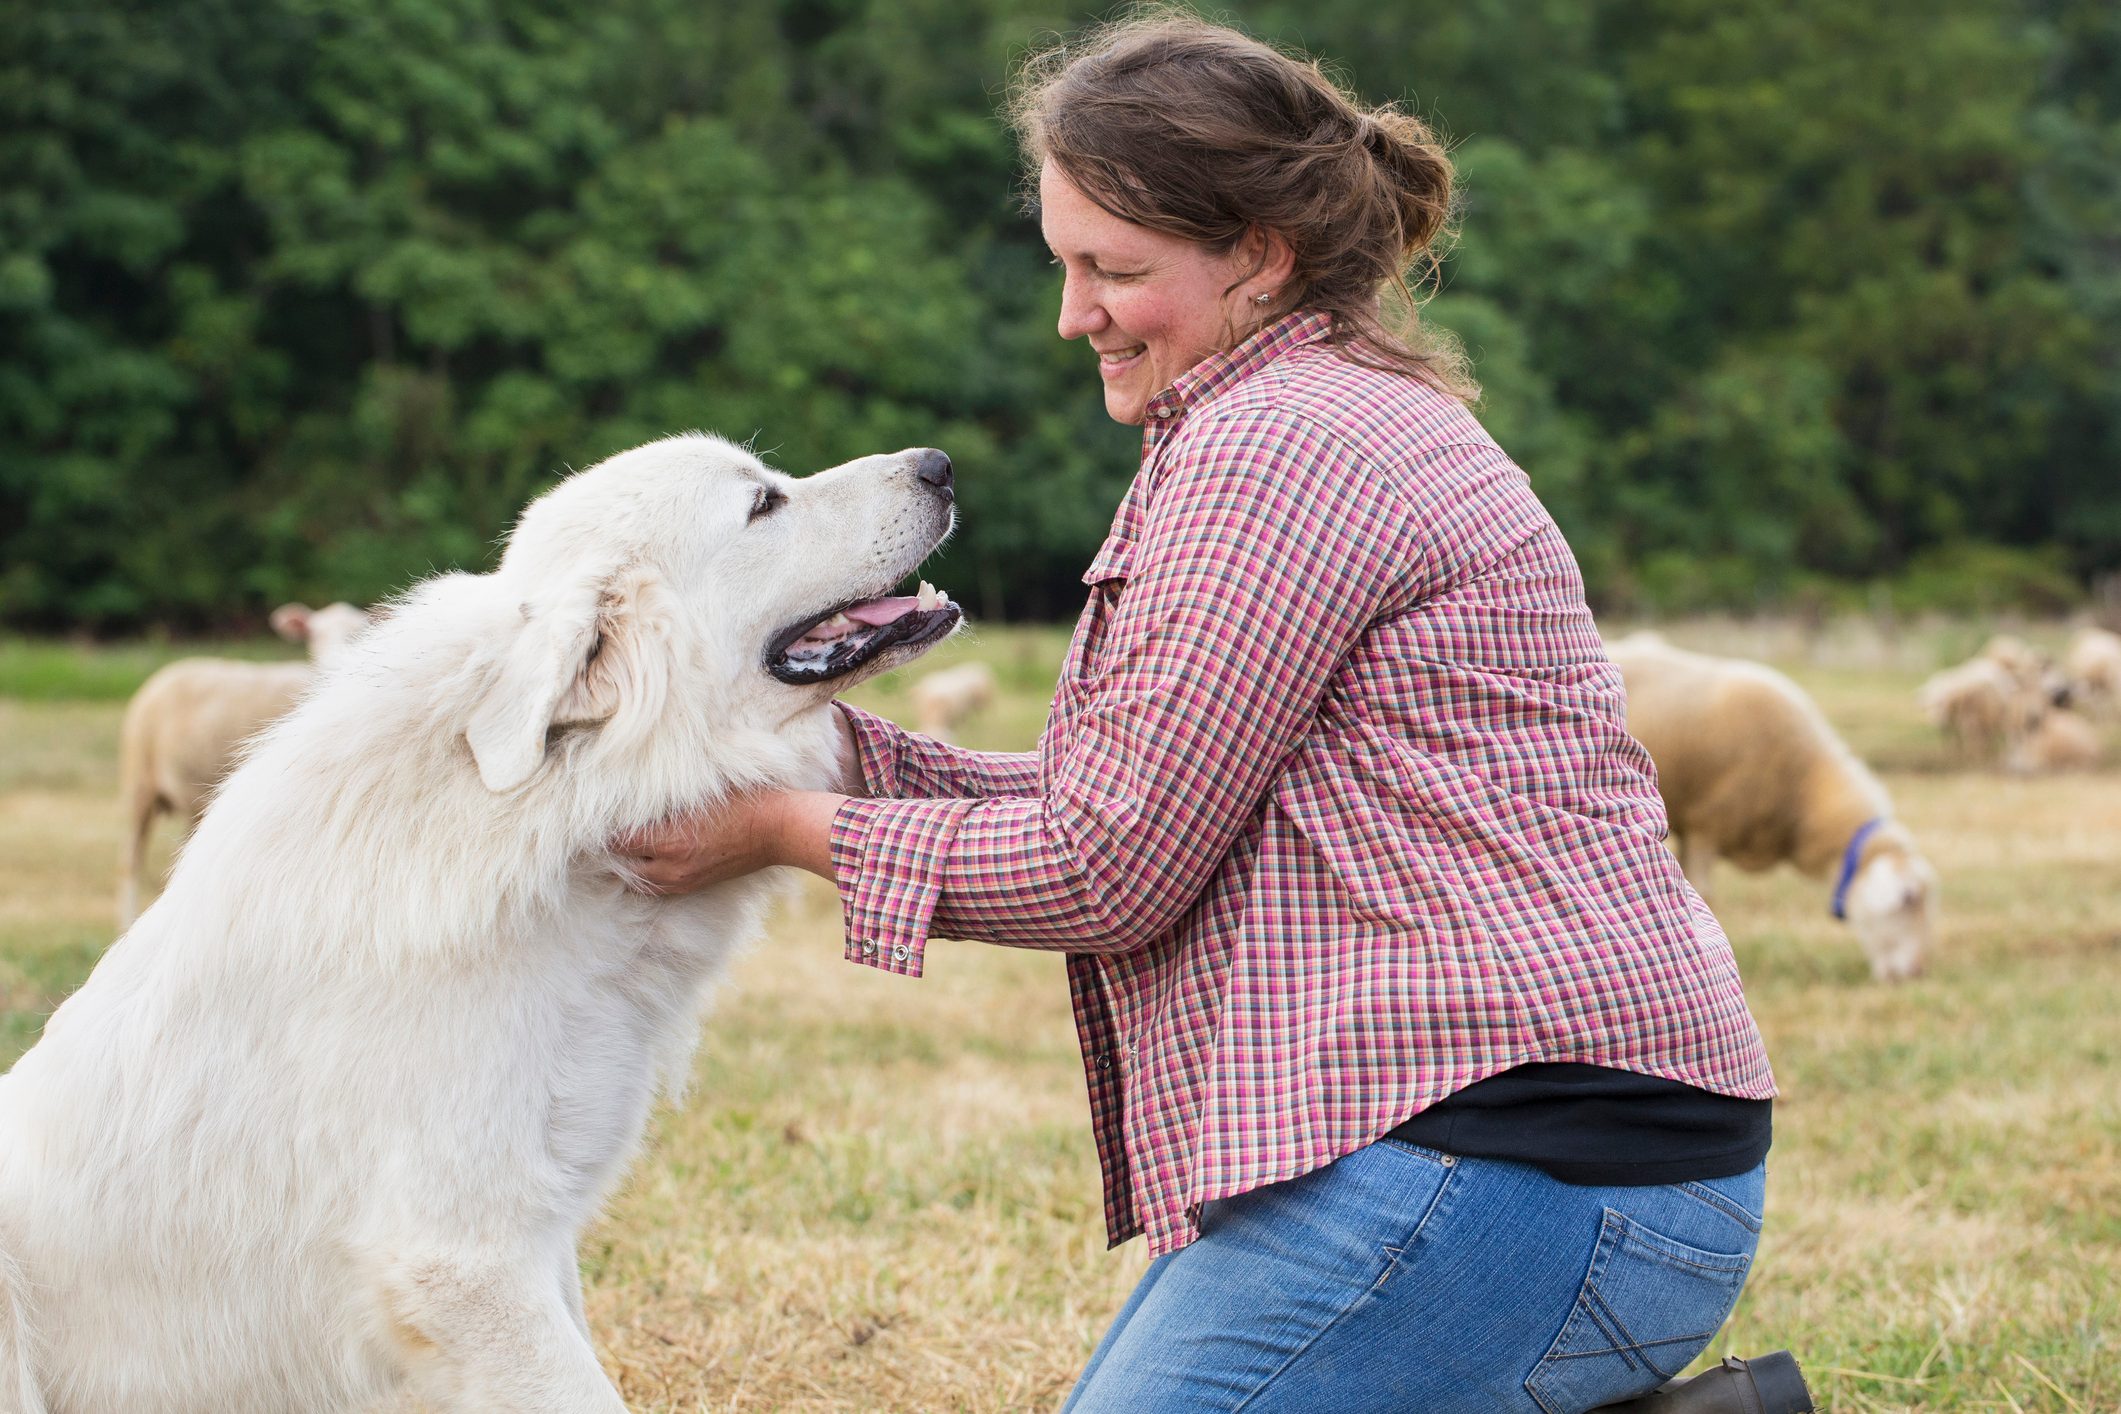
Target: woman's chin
(1125, 405)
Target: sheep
(2042, 682)
(325, 630)
(1750, 771)
(2062, 740)
(183, 727)
(1981, 705)
(2093, 666)
(943, 699)
(2025, 663)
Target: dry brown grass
(881, 1194)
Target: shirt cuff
(889, 857)
(876, 742)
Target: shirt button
(901, 953)
(1163, 412)
(870, 947)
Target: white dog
(322, 1129)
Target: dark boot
(1765, 1384)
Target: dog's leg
(475, 1337)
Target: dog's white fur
(322, 1129)
(186, 725)
(1750, 771)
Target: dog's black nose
(932, 467)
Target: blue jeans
(1401, 1279)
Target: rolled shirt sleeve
(899, 764)
(1265, 549)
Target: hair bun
(1416, 167)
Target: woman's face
(1151, 305)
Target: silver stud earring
(1261, 299)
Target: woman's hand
(740, 836)
(852, 782)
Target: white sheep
(2093, 666)
(2025, 663)
(325, 630)
(943, 699)
(1981, 705)
(2062, 740)
(1751, 772)
(183, 727)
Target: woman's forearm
(801, 833)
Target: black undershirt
(1592, 1125)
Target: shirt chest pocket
(1107, 578)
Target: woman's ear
(1276, 259)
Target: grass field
(882, 1194)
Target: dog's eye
(765, 499)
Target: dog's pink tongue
(877, 612)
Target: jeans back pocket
(1648, 1306)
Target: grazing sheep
(2025, 663)
(183, 727)
(2093, 665)
(2041, 682)
(1981, 706)
(1750, 771)
(2061, 740)
(943, 699)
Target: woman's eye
(1098, 271)
(763, 500)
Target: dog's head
(685, 579)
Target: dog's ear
(565, 667)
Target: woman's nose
(1079, 315)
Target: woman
(1408, 1047)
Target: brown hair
(1201, 132)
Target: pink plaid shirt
(1335, 813)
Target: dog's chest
(626, 1031)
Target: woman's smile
(1115, 363)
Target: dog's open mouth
(844, 638)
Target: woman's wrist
(799, 830)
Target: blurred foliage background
(1779, 302)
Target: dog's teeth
(942, 596)
(928, 599)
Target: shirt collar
(1217, 372)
